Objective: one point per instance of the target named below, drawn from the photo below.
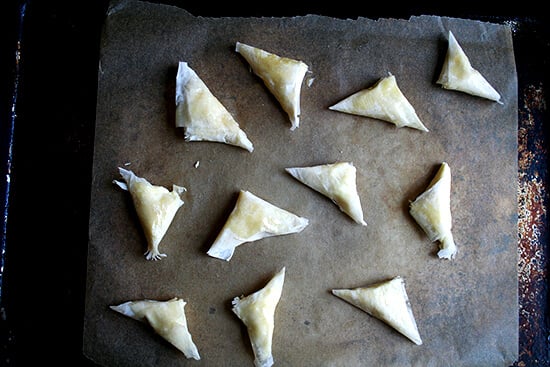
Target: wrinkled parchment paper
(466, 309)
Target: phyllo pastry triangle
(383, 101)
(458, 74)
(252, 219)
(202, 115)
(167, 318)
(337, 181)
(387, 301)
(257, 312)
(155, 207)
(281, 75)
(432, 211)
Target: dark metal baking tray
(47, 108)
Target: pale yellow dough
(202, 115)
(383, 101)
(167, 318)
(252, 219)
(432, 211)
(257, 312)
(281, 75)
(155, 207)
(337, 181)
(387, 301)
(458, 74)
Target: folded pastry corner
(458, 74)
(257, 312)
(383, 101)
(337, 181)
(202, 115)
(281, 75)
(432, 211)
(387, 301)
(167, 318)
(252, 219)
(156, 207)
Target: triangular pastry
(252, 219)
(337, 182)
(384, 101)
(202, 115)
(458, 74)
(257, 312)
(432, 211)
(155, 207)
(281, 75)
(167, 318)
(387, 301)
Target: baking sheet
(466, 309)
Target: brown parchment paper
(466, 309)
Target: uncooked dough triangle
(257, 312)
(281, 75)
(337, 181)
(155, 207)
(202, 115)
(167, 318)
(384, 101)
(458, 74)
(432, 211)
(252, 219)
(387, 301)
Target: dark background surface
(49, 59)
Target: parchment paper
(466, 308)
